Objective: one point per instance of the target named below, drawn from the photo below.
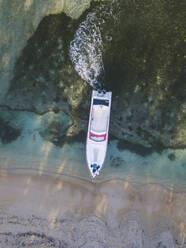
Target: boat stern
(95, 157)
(94, 169)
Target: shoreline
(51, 199)
(178, 188)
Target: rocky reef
(143, 57)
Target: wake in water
(87, 46)
(86, 50)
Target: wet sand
(35, 203)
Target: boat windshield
(99, 119)
(101, 102)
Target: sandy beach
(59, 211)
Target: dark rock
(60, 140)
(137, 148)
(7, 132)
(115, 161)
(172, 156)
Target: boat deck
(100, 115)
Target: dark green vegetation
(143, 54)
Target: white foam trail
(86, 47)
(86, 50)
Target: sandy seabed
(47, 210)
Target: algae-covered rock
(19, 20)
(54, 127)
(45, 80)
(44, 77)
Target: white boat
(97, 135)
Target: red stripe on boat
(97, 135)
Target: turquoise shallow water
(30, 151)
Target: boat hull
(98, 128)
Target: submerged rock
(19, 20)
(44, 79)
(7, 132)
(55, 127)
